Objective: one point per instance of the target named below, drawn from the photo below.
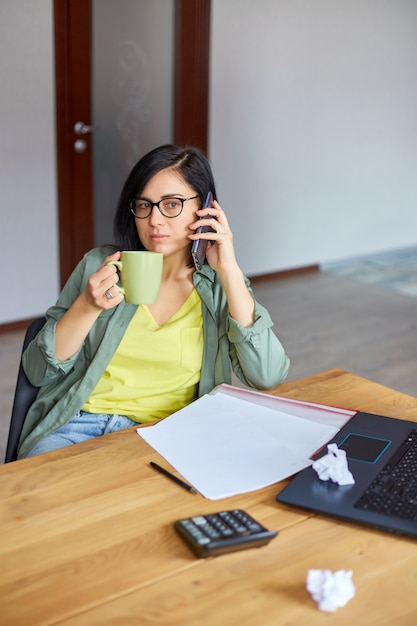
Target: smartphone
(199, 247)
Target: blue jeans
(81, 427)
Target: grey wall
(28, 211)
(313, 127)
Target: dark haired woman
(102, 364)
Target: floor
(351, 315)
(395, 269)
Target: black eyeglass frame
(132, 204)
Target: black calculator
(219, 533)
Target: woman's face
(163, 234)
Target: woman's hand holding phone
(199, 247)
(221, 257)
(218, 245)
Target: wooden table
(87, 538)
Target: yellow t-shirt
(156, 369)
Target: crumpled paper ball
(333, 466)
(330, 590)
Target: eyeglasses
(169, 207)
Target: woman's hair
(191, 165)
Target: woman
(103, 365)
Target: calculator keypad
(222, 532)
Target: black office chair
(24, 395)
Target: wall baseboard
(298, 271)
(11, 327)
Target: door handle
(82, 129)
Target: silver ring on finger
(108, 294)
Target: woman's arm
(221, 257)
(40, 360)
(73, 327)
(257, 356)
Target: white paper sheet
(224, 446)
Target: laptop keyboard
(394, 490)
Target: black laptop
(382, 456)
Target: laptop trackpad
(364, 448)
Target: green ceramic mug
(140, 275)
